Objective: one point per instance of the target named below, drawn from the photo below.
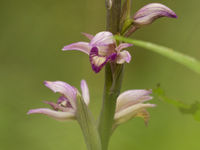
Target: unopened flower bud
(147, 14)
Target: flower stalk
(113, 79)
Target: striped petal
(132, 97)
(123, 46)
(123, 57)
(63, 88)
(87, 35)
(79, 46)
(104, 38)
(130, 112)
(85, 92)
(147, 14)
(58, 115)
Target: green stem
(113, 79)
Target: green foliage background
(32, 33)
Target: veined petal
(85, 92)
(103, 38)
(123, 57)
(132, 97)
(130, 112)
(79, 46)
(58, 115)
(122, 46)
(63, 88)
(152, 11)
(97, 61)
(87, 35)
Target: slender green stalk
(183, 59)
(113, 79)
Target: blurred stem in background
(113, 78)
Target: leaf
(183, 59)
(192, 109)
(88, 125)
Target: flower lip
(98, 61)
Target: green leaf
(183, 59)
(88, 125)
(192, 109)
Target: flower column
(113, 78)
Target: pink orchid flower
(102, 49)
(131, 104)
(65, 108)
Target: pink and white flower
(131, 104)
(147, 14)
(102, 49)
(65, 108)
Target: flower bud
(147, 14)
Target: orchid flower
(147, 14)
(102, 49)
(131, 104)
(65, 108)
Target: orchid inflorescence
(103, 50)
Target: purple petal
(97, 61)
(122, 46)
(132, 97)
(62, 116)
(87, 35)
(152, 11)
(85, 92)
(79, 46)
(63, 88)
(54, 105)
(104, 38)
(61, 99)
(123, 57)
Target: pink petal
(123, 46)
(79, 46)
(87, 35)
(130, 112)
(132, 97)
(63, 88)
(147, 14)
(85, 92)
(104, 38)
(58, 115)
(123, 57)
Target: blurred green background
(32, 33)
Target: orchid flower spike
(65, 108)
(102, 49)
(147, 14)
(131, 104)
